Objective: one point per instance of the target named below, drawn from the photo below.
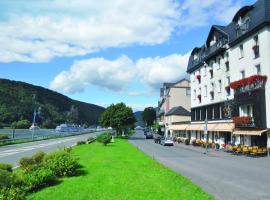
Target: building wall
(175, 118)
(236, 64)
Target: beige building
(174, 106)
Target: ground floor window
(260, 141)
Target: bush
(39, 178)
(10, 186)
(187, 141)
(81, 142)
(61, 163)
(3, 137)
(6, 166)
(104, 138)
(30, 163)
(22, 124)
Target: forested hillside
(18, 100)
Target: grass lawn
(120, 171)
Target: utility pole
(205, 134)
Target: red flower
(242, 120)
(198, 77)
(248, 81)
(255, 47)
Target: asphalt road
(225, 176)
(13, 153)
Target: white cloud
(196, 13)
(30, 32)
(79, 27)
(113, 75)
(119, 74)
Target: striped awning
(179, 127)
(224, 127)
(195, 127)
(250, 132)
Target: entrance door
(228, 137)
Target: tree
(119, 117)
(149, 116)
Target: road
(13, 153)
(221, 174)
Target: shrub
(187, 141)
(6, 166)
(3, 137)
(30, 163)
(104, 138)
(39, 178)
(21, 124)
(61, 163)
(10, 186)
(81, 142)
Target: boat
(68, 128)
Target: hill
(138, 116)
(18, 100)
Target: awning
(195, 127)
(210, 127)
(250, 132)
(179, 127)
(224, 127)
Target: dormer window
(242, 25)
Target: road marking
(29, 148)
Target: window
(219, 85)
(205, 90)
(255, 47)
(246, 110)
(218, 63)
(194, 77)
(220, 112)
(242, 74)
(241, 49)
(213, 113)
(200, 114)
(188, 92)
(205, 70)
(194, 92)
(258, 69)
(211, 70)
(227, 88)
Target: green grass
(120, 171)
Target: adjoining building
(174, 106)
(229, 86)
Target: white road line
(29, 148)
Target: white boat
(68, 128)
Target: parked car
(166, 141)
(149, 135)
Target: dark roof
(178, 111)
(259, 15)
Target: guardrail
(48, 136)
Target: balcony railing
(249, 84)
(244, 122)
(212, 49)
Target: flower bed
(248, 81)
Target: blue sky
(109, 52)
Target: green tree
(119, 117)
(149, 116)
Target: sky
(105, 52)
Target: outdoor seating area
(246, 150)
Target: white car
(166, 142)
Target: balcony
(244, 122)
(248, 84)
(215, 49)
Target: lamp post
(205, 134)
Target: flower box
(255, 47)
(198, 78)
(248, 81)
(242, 121)
(199, 97)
